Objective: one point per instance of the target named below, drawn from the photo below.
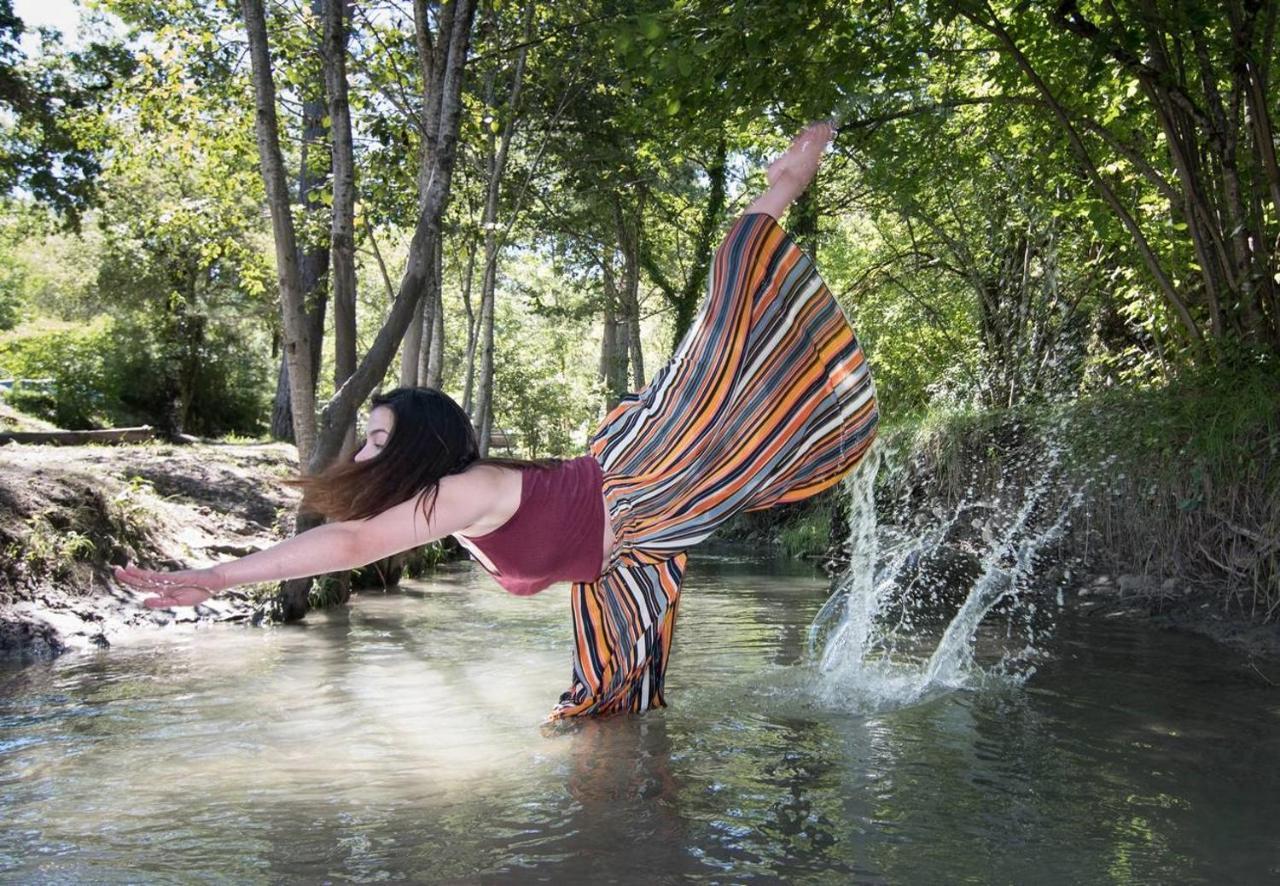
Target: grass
(1179, 482)
(78, 535)
(809, 535)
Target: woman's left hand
(185, 587)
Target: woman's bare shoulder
(495, 487)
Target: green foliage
(47, 550)
(545, 384)
(73, 357)
(808, 536)
(1219, 415)
(420, 562)
(110, 373)
(50, 135)
(228, 386)
(11, 301)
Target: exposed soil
(67, 514)
(1169, 605)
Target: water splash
(869, 643)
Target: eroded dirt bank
(67, 514)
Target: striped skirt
(767, 400)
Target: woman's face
(377, 432)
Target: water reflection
(400, 739)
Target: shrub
(73, 356)
(117, 373)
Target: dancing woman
(767, 400)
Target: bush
(229, 391)
(110, 373)
(72, 356)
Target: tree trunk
(628, 234)
(343, 239)
(484, 386)
(313, 263)
(473, 327)
(433, 371)
(498, 150)
(613, 343)
(296, 330)
(316, 285)
(411, 347)
(321, 442)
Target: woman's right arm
(461, 500)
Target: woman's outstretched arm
(461, 500)
(791, 173)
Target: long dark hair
(432, 437)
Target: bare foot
(791, 173)
(799, 162)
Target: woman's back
(547, 525)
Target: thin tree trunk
(417, 360)
(296, 330)
(316, 286)
(313, 263)
(473, 327)
(494, 240)
(343, 240)
(411, 347)
(434, 370)
(628, 234)
(613, 342)
(484, 386)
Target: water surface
(398, 739)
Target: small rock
(1135, 584)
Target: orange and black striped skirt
(767, 400)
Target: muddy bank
(68, 514)
(1126, 513)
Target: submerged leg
(623, 624)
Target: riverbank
(1163, 506)
(1160, 504)
(69, 513)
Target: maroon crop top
(556, 533)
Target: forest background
(239, 220)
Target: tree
(319, 442)
(50, 138)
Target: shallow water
(398, 739)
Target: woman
(767, 400)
